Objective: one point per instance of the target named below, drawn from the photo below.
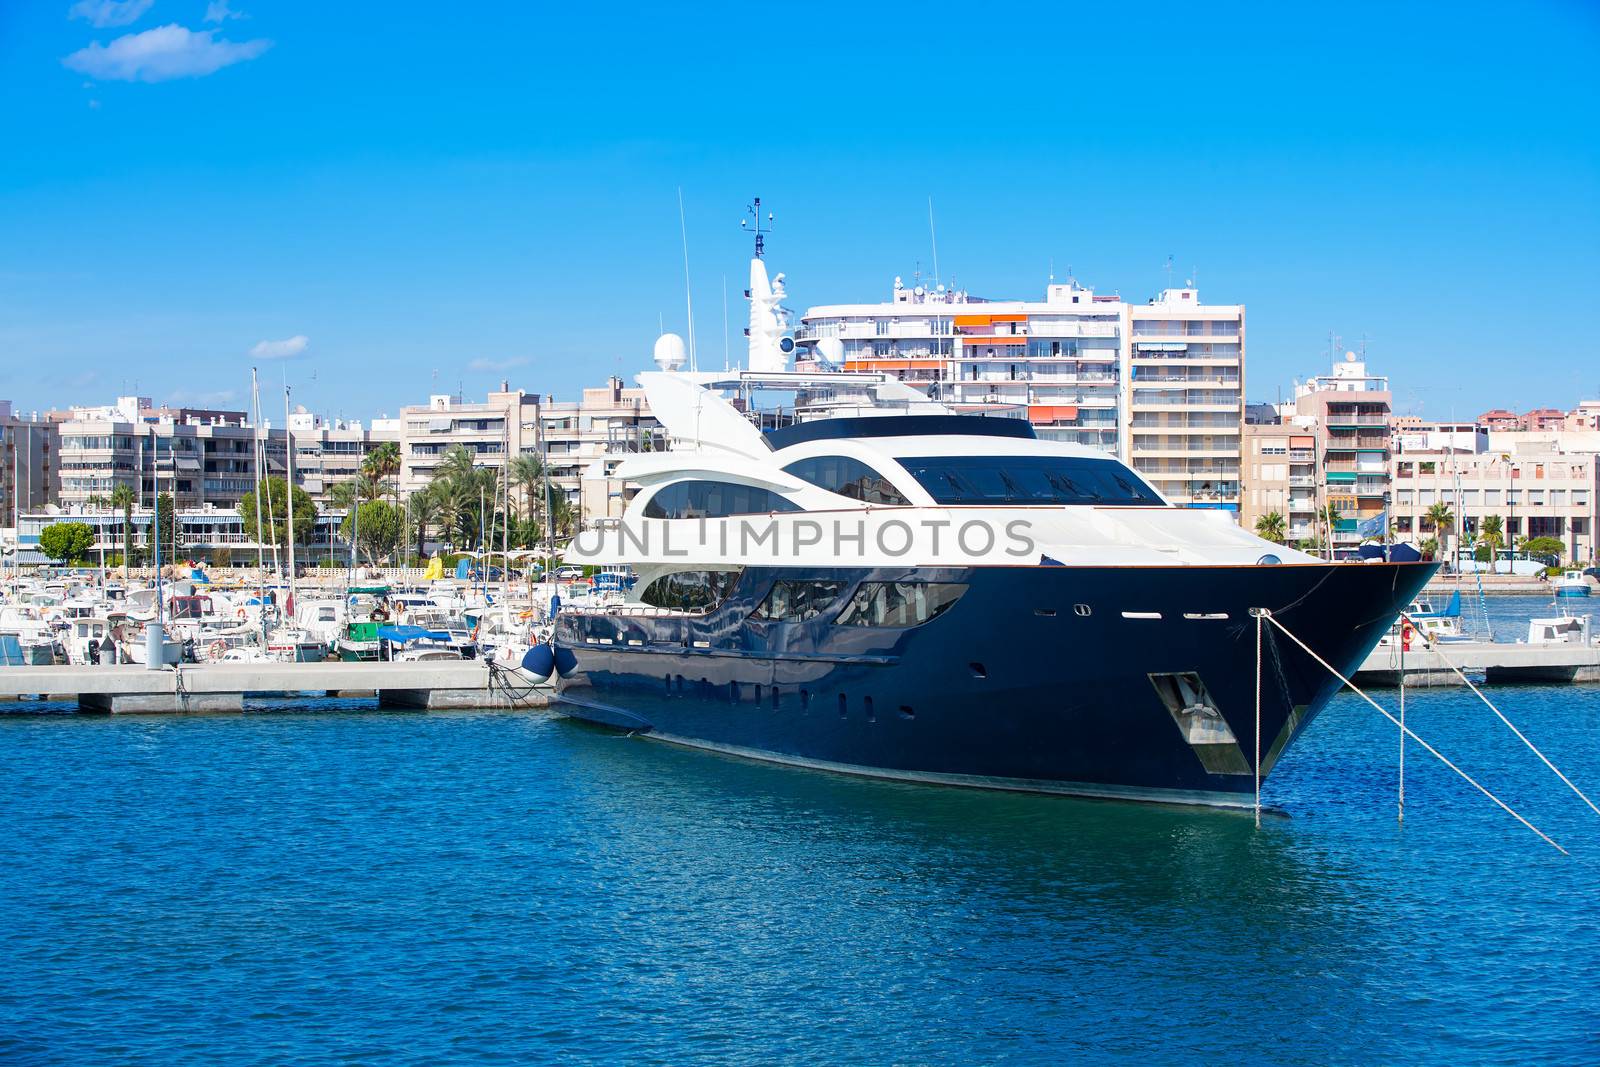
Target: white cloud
(161, 54)
(219, 11)
(497, 364)
(103, 13)
(288, 348)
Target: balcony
(1357, 420)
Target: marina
(1100, 566)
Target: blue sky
(439, 195)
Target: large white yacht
(862, 580)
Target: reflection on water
(371, 886)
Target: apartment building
(1536, 491)
(30, 475)
(1280, 476)
(1348, 413)
(203, 457)
(573, 435)
(1160, 384)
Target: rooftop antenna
(761, 231)
(933, 239)
(688, 293)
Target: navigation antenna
(760, 230)
(688, 290)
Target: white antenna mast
(688, 292)
(933, 238)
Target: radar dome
(830, 350)
(669, 352)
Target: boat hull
(1048, 679)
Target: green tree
(275, 515)
(1543, 546)
(1271, 527)
(379, 531)
(122, 496)
(67, 542)
(165, 525)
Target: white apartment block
(204, 458)
(1160, 385)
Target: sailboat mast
(288, 444)
(260, 457)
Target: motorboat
(859, 579)
(1559, 630)
(1435, 625)
(1571, 584)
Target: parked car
(569, 573)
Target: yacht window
(690, 590)
(798, 601)
(847, 477)
(899, 603)
(1028, 480)
(705, 499)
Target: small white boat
(1439, 625)
(1559, 630)
(1571, 584)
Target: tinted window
(701, 499)
(690, 590)
(1028, 480)
(899, 603)
(847, 477)
(798, 601)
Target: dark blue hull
(1055, 679)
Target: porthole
(906, 712)
(1082, 609)
(978, 670)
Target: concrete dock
(213, 687)
(1483, 661)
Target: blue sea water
(356, 886)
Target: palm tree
(122, 497)
(424, 509)
(1442, 520)
(383, 463)
(561, 514)
(527, 473)
(1271, 527)
(457, 464)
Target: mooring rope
(1266, 614)
(1434, 646)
